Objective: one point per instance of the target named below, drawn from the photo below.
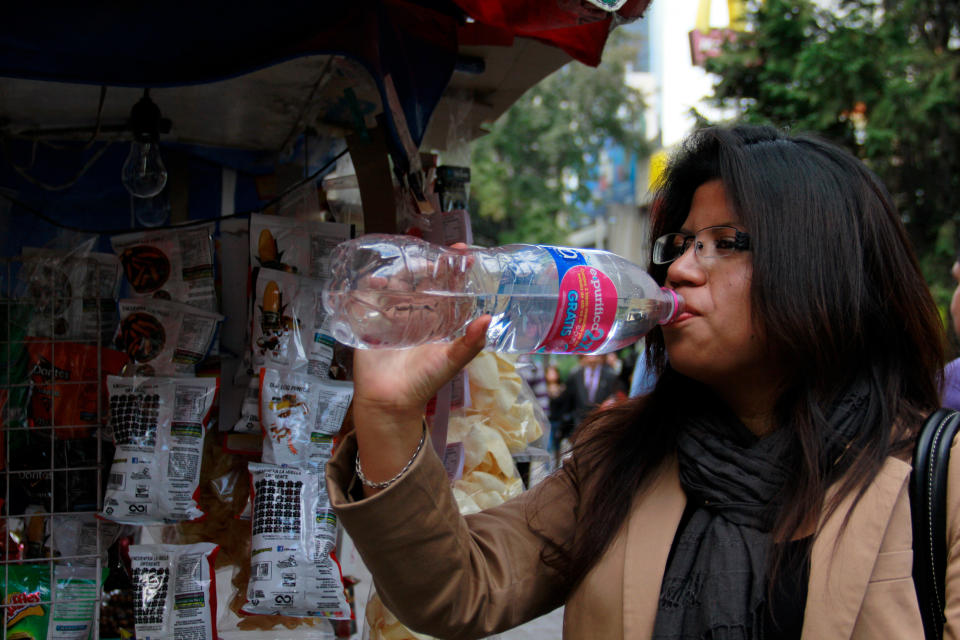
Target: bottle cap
(677, 305)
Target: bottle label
(586, 307)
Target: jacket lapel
(841, 565)
(651, 528)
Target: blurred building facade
(671, 41)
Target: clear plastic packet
(175, 591)
(75, 538)
(72, 292)
(170, 264)
(249, 421)
(500, 395)
(300, 415)
(65, 389)
(285, 322)
(294, 246)
(74, 603)
(292, 569)
(158, 427)
(165, 338)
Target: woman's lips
(686, 315)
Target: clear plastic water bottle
(400, 291)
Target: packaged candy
(174, 591)
(165, 338)
(294, 246)
(292, 569)
(158, 426)
(65, 385)
(300, 415)
(170, 264)
(72, 293)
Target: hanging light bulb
(144, 174)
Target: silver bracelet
(387, 483)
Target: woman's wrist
(387, 441)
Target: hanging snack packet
(294, 246)
(170, 264)
(300, 415)
(281, 319)
(292, 570)
(158, 428)
(66, 389)
(175, 595)
(26, 600)
(165, 338)
(249, 421)
(73, 293)
(74, 601)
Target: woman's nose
(686, 269)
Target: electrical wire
(190, 223)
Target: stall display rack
(48, 480)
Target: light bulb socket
(146, 122)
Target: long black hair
(839, 295)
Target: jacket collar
(840, 567)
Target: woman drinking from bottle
(759, 491)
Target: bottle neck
(674, 306)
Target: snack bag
(65, 385)
(26, 599)
(74, 601)
(292, 569)
(175, 596)
(158, 427)
(73, 292)
(165, 338)
(170, 264)
(300, 415)
(294, 246)
(283, 322)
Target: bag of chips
(165, 338)
(158, 426)
(300, 415)
(282, 319)
(65, 385)
(292, 569)
(26, 600)
(174, 591)
(170, 264)
(72, 293)
(294, 246)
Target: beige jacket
(455, 577)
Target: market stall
(172, 184)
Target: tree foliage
(539, 154)
(879, 77)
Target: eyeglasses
(709, 242)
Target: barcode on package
(261, 571)
(115, 481)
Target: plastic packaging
(175, 591)
(399, 291)
(73, 292)
(158, 426)
(175, 264)
(292, 569)
(165, 338)
(300, 415)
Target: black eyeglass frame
(741, 242)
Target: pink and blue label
(586, 306)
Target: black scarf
(715, 586)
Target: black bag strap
(928, 507)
